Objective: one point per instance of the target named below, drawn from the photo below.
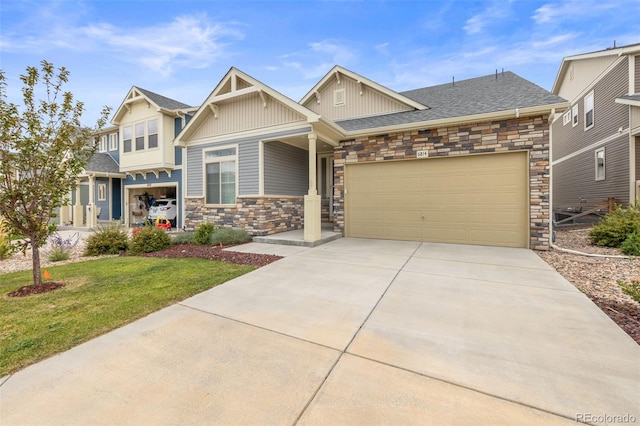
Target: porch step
(296, 238)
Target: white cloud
(556, 13)
(186, 42)
(318, 60)
(495, 12)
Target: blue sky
(181, 49)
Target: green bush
(631, 246)
(616, 226)
(61, 247)
(149, 239)
(226, 236)
(182, 238)
(203, 233)
(632, 288)
(107, 240)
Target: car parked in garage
(164, 206)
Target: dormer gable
(342, 94)
(152, 100)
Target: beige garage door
(476, 199)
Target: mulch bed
(28, 290)
(214, 253)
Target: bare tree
(43, 148)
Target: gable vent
(339, 97)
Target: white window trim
(566, 118)
(574, 115)
(113, 142)
(103, 143)
(604, 164)
(147, 134)
(102, 192)
(593, 107)
(131, 151)
(218, 160)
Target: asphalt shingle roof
(163, 101)
(466, 97)
(102, 162)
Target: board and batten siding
(248, 162)
(245, 113)
(286, 169)
(357, 104)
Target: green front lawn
(98, 296)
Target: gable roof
(337, 70)
(611, 51)
(499, 94)
(235, 84)
(161, 103)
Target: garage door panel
(480, 199)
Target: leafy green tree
(43, 148)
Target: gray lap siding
(525, 133)
(285, 182)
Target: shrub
(149, 239)
(631, 246)
(616, 226)
(632, 288)
(203, 233)
(61, 247)
(226, 236)
(107, 240)
(182, 238)
(6, 248)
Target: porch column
(77, 208)
(312, 204)
(64, 211)
(91, 207)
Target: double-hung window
(102, 145)
(126, 138)
(139, 136)
(588, 111)
(152, 132)
(113, 142)
(574, 115)
(220, 176)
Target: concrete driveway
(352, 332)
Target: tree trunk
(35, 256)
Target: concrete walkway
(352, 332)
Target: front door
(325, 185)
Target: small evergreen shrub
(61, 247)
(616, 226)
(182, 238)
(203, 233)
(110, 239)
(149, 239)
(226, 236)
(631, 246)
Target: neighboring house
(135, 162)
(465, 162)
(596, 142)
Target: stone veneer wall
(525, 133)
(257, 215)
